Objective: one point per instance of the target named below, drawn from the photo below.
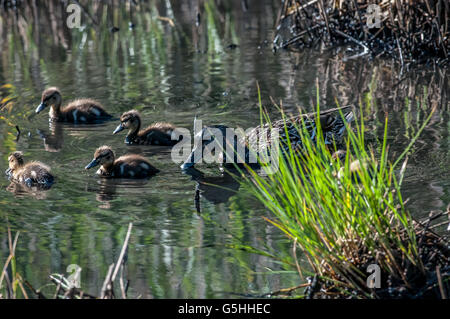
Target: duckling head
(103, 156)
(130, 120)
(15, 161)
(50, 97)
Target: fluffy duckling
(156, 134)
(356, 167)
(31, 174)
(127, 166)
(81, 111)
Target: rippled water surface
(174, 73)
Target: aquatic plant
(344, 210)
(66, 288)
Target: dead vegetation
(14, 286)
(411, 32)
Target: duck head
(130, 120)
(103, 156)
(15, 161)
(208, 135)
(50, 97)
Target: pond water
(174, 73)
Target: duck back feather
(34, 174)
(83, 111)
(130, 166)
(156, 134)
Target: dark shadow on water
(215, 189)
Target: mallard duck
(258, 139)
(156, 134)
(30, 174)
(127, 166)
(81, 111)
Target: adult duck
(259, 139)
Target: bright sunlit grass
(344, 214)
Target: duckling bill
(82, 111)
(157, 134)
(127, 166)
(31, 174)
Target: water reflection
(54, 139)
(172, 74)
(23, 191)
(215, 189)
(106, 188)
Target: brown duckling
(31, 174)
(356, 166)
(156, 134)
(127, 166)
(82, 111)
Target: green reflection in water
(173, 74)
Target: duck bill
(118, 128)
(93, 163)
(8, 172)
(40, 107)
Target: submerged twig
(107, 289)
(18, 133)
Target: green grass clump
(344, 214)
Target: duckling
(156, 134)
(356, 166)
(82, 111)
(31, 174)
(127, 166)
